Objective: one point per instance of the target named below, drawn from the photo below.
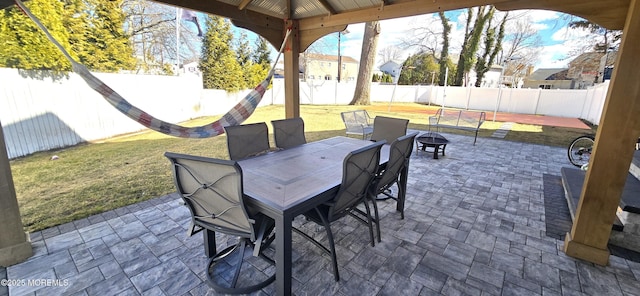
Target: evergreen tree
(243, 55)
(25, 46)
(262, 53)
(243, 50)
(98, 35)
(419, 69)
(220, 69)
(91, 31)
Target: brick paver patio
(475, 225)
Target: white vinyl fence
(40, 112)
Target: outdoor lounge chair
(357, 122)
(212, 190)
(247, 140)
(388, 128)
(289, 132)
(399, 155)
(359, 168)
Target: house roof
(330, 58)
(587, 56)
(544, 74)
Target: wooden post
(292, 71)
(617, 133)
(14, 242)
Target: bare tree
(367, 60)
(425, 36)
(390, 53)
(152, 30)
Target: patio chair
(359, 168)
(388, 128)
(212, 190)
(288, 133)
(247, 140)
(357, 122)
(399, 155)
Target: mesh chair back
(359, 169)
(399, 154)
(247, 140)
(212, 190)
(288, 132)
(357, 122)
(388, 128)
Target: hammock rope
(239, 113)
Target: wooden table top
(289, 177)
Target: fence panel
(39, 112)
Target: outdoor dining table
(287, 183)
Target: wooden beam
(292, 72)
(383, 12)
(614, 147)
(610, 14)
(243, 4)
(275, 36)
(222, 9)
(328, 6)
(289, 9)
(309, 36)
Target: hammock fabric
(239, 113)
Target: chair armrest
(483, 117)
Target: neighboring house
(279, 70)
(550, 78)
(491, 78)
(190, 68)
(392, 68)
(325, 67)
(606, 65)
(585, 70)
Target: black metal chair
(359, 169)
(399, 156)
(212, 190)
(247, 140)
(289, 132)
(388, 128)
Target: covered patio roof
(312, 19)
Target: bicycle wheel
(579, 151)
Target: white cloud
(553, 56)
(539, 16)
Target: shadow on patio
(474, 225)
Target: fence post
(535, 111)
(468, 96)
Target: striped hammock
(239, 113)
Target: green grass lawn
(92, 178)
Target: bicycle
(579, 151)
